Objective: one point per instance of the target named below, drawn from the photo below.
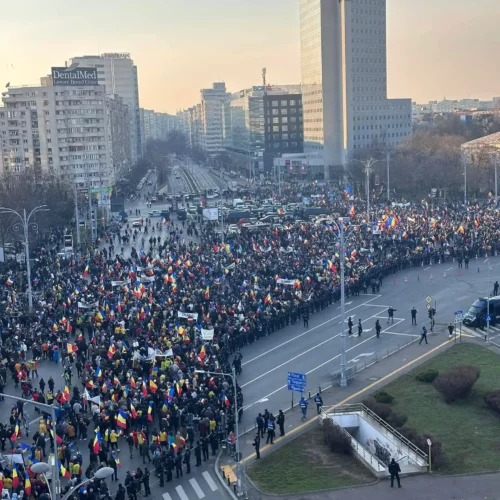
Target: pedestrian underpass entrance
(374, 441)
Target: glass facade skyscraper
(344, 82)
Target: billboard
(74, 76)
(210, 214)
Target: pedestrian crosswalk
(494, 331)
(195, 488)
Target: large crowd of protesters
(136, 333)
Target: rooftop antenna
(264, 79)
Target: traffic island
(307, 464)
(465, 430)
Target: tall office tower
(344, 83)
(119, 73)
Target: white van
(238, 202)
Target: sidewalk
(364, 383)
(424, 487)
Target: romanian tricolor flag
(150, 413)
(9, 281)
(97, 442)
(27, 486)
(132, 383)
(15, 434)
(202, 353)
(207, 293)
(71, 347)
(86, 272)
(152, 386)
(133, 413)
(163, 221)
(352, 211)
(267, 299)
(121, 420)
(98, 372)
(66, 393)
(117, 461)
(111, 351)
(63, 471)
(15, 478)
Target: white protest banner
(117, 283)
(285, 282)
(186, 315)
(207, 334)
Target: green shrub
(397, 420)
(335, 438)
(457, 382)
(428, 376)
(383, 397)
(437, 455)
(492, 400)
(380, 409)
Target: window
(293, 102)
(284, 119)
(276, 112)
(275, 104)
(276, 120)
(284, 111)
(284, 102)
(284, 144)
(276, 128)
(284, 137)
(276, 145)
(284, 128)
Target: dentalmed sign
(74, 76)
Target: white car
(233, 229)
(155, 213)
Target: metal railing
(361, 407)
(374, 462)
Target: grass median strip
(467, 429)
(306, 464)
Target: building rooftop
(492, 140)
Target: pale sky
(436, 48)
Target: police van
(476, 315)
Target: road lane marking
(210, 481)
(309, 372)
(305, 333)
(353, 396)
(403, 334)
(196, 488)
(298, 356)
(166, 496)
(181, 493)
(449, 269)
(427, 268)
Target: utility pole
(77, 220)
(368, 168)
(343, 374)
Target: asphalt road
(315, 351)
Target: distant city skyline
(436, 50)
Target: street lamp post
(52, 410)
(368, 168)
(239, 474)
(102, 473)
(25, 225)
(464, 160)
(343, 374)
(388, 155)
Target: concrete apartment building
(75, 132)
(118, 73)
(344, 83)
(213, 103)
(157, 126)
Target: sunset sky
(436, 48)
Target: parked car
(155, 213)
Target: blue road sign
(296, 382)
(459, 312)
(488, 317)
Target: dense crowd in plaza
(133, 333)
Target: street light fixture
(43, 468)
(368, 168)
(25, 224)
(388, 155)
(343, 364)
(238, 456)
